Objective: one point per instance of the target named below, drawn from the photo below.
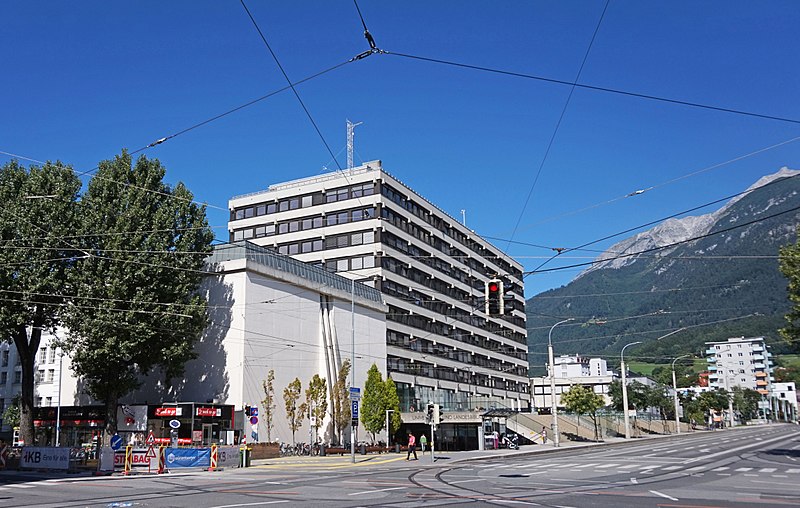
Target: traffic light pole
(433, 440)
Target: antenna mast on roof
(351, 127)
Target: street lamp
(554, 405)
(388, 429)
(675, 392)
(625, 389)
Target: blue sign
(253, 410)
(355, 409)
(116, 442)
(187, 457)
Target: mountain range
(710, 277)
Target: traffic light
(246, 411)
(429, 413)
(436, 415)
(494, 297)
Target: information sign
(354, 404)
(116, 442)
(175, 424)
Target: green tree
(373, 402)
(745, 401)
(583, 401)
(637, 395)
(269, 402)
(138, 307)
(317, 401)
(38, 216)
(393, 403)
(294, 413)
(11, 414)
(341, 401)
(789, 263)
(657, 397)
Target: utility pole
(625, 390)
(554, 404)
(351, 128)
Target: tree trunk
(26, 349)
(111, 418)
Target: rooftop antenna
(351, 127)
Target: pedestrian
(544, 435)
(423, 443)
(412, 446)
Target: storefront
(81, 426)
(194, 423)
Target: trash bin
(397, 448)
(362, 449)
(322, 449)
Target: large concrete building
(365, 224)
(572, 370)
(744, 362)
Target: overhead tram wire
(597, 88)
(662, 219)
(674, 244)
(291, 85)
(665, 183)
(558, 124)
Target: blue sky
(84, 79)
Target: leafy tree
(393, 403)
(583, 401)
(341, 401)
(789, 260)
(637, 395)
(657, 397)
(138, 308)
(38, 214)
(11, 414)
(317, 401)
(294, 413)
(373, 402)
(269, 402)
(745, 401)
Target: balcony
(712, 359)
(761, 382)
(711, 351)
(759, 366)
(761, 374)
(758, 357)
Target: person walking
(544, 435)
(423, 443)
(412, 446)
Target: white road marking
(742, 469)
(21, 486)
(466, 481)
(767, 470)
(606, 465)
(672, 468)
(261, 503)
(633, 480)
(793, 470)
(585, 465)
(657, 493)
(373, 491)
(514, 501)
(564, 465)
(628, 466)
(779, 476)
(719, 469)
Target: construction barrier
(49, 458)
(137, 459)
(179, 458)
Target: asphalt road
(746, 467)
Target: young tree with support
(317, 401)
(582, 400)
(342, 412)
(269, 403)
(373, 402)
(294, 413)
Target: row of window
(404, 202)
(303, 224)
(425, 369)
(45, 376)
(427, 346)
(331, 242)
(305, 201)
(4, 377)
(351, 263)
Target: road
(745, 467)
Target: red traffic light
(493, 287)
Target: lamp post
(675, 392)
(554, 405)
(58, 410)
(625, 389)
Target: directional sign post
(355, 393)
(116, 442)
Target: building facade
(364, 224)
(270, 312)
(744, 362)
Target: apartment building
(572, 370)
(744, 362)
(367, 225)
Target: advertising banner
(140, 457)
(187, 457)
(131, 418)
(44, 458)
(228, 456)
